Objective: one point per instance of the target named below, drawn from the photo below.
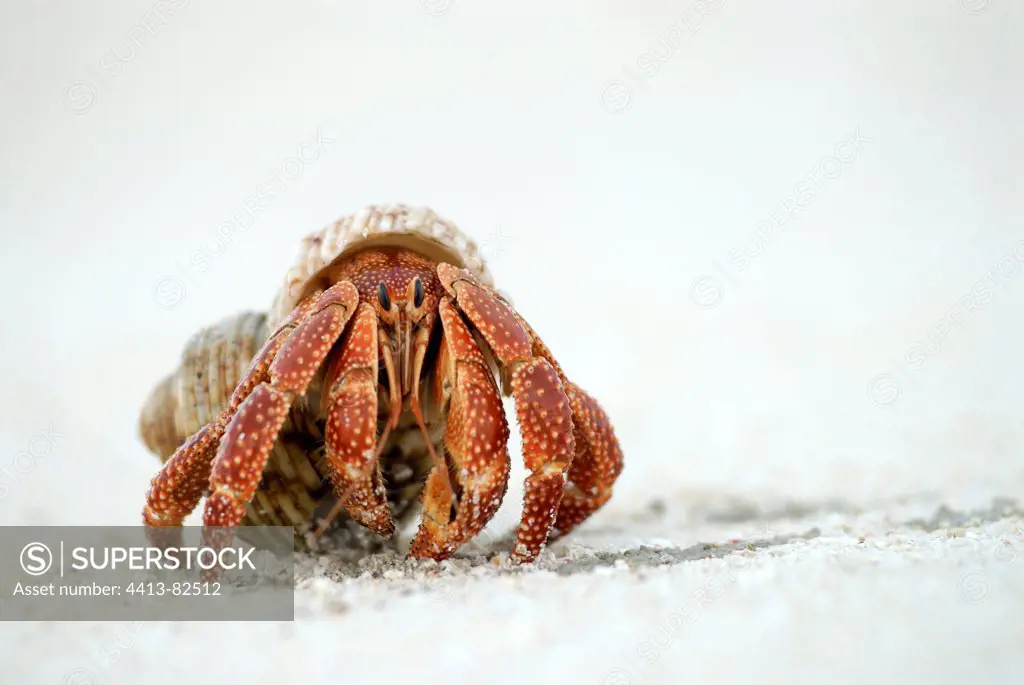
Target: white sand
(893, 594)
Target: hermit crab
(377, 376)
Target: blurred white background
(611, 156)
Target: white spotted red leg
(596, 466)
(177, 488)
(542, 406)
(597, 463)
(253, 429)
(476, 441)
(360, 463)
(351, 432)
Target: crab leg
(177, 488)
(542, 406)
(597, 463)
(596, 466)
(252, 431)
(476, 439)
(351, 432)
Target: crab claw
(475, 440)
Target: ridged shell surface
(414, 227)
(212, 363)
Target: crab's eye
(382, 295)
(417, 293)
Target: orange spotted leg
(596, 466)
(351, 433)
(597, 463)
(542, 407)
(176, 490)
(476, 440)
(252, 431)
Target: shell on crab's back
(211, 365)
(415, 228)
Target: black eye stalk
(417, 296)
(382, 295)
